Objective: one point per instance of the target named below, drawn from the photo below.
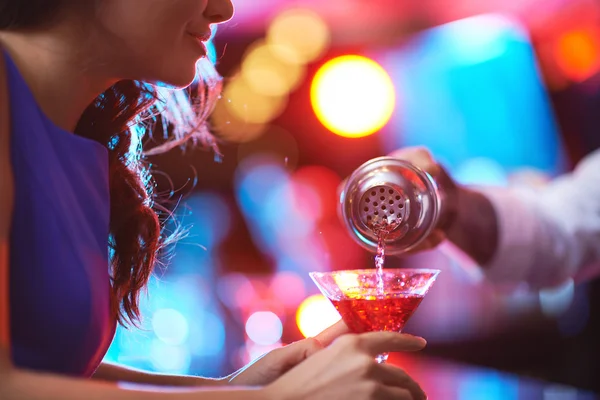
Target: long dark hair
(135, 229)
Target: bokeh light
(248, 105)
(353, 96)
(305, 200)
(170, 326)
(264, 328)
(228, 126)
(480, 171)
(288, 287)
(298, 35)
(228, 287)
(210, 220)
(577, 53)
(322, 183)
(207, 335)
(316, 314)
(267, 73)
(493, 384)
(170, 359)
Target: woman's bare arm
(117, 373)
(24, 385)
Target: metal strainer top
(382, 203)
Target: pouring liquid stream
(382, 229)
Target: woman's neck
(61, 80)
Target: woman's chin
(179, 82)
(178, 78)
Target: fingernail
(422, 340)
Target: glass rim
(370, 271)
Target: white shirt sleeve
(549, 234)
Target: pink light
(323, 183)
(264, 328)
(306, 200)
(288, 288)
(245, 295)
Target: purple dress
(59, 276)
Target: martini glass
(368, 301)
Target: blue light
(207, 336)
(486, 386)
(210, 45)
(268, 199)
(472, 89)
(170, 326)
(131, 347)
(256, 179)
(476, 40)
(481, 171)
(558, 392)
(180, 321)
(169, 359)
(210, 219)
(212, 51)
(260, 192)
(207, 224)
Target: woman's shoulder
(4, 94)
(17, 88)
(22, 106)
(4, 116)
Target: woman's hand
(275, 363)
(347, 370)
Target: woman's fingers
(392, 393)
(374, 343)
(393, 376)
(333, 332)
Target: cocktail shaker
(398, 196)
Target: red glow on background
(306, 200)
(344, 252)
(323, 184)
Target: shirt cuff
(514, 257)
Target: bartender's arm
(539, 236)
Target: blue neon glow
(472, 89)
(210, 45)
(486, 386)
(181, 320)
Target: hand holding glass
(370, 302)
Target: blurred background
(504, 92)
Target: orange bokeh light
(577, 53)
(353, 96)
(315, 314)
